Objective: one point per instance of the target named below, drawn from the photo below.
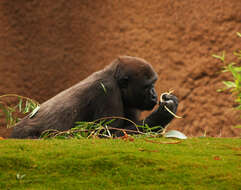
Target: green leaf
(80, 123)
(239, 34)
(239, 107)
(11, 120)
(20, 104)
(5, 111)
(238, 54)
(238, 69)
(34, 112)
(229, 84)
(156, 127)
(103, 86)
(108, 122)
(222, 57)
(11, 109)
(27, 106)
(33, 105)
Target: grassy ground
(198, 163)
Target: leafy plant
(233, 86)
(102, 128)
(83, 129)
(13, 113)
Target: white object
(175, 134)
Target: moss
(207, 163)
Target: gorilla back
(123, 88)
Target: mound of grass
(198, 163)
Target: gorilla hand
(161, 116)
(170, 101)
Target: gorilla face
(149, 97)
(137, 86)
(144, 94)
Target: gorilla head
(136, 79)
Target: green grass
(198, 163)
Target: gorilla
(124, 89)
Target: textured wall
(47, 46)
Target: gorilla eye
(150, 86)
(147, 86)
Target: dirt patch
(5, 132)
(46, 47)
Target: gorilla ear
(120, 75)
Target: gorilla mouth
(149, 106)
(153, 104)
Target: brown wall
(47, 46)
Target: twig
(18, 96)
(161, 100)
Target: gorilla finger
(167, 97)
(171, 105)
(174, 98)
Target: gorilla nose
(153, 95)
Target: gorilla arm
(161, 117)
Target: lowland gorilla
(124, 88)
